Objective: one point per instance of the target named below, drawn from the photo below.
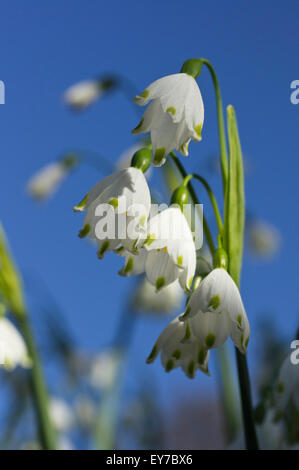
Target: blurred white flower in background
(287, 387)
(167, 300)
(81, 95)
(85, 412)
(263, 239)
(64, 443)
(47, 180)
(175, 115)
(104, 369)
(13, 351)
(61, 414)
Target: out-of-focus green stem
(195, 200)
(221, 127)
(40, 395)
(228, 393)
(108, 412)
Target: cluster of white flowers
(214, 311)
(162, 244)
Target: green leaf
(234, 213)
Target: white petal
(158, 88)
(13, 351)
(160, 269)
(134, 265)
(211, 329)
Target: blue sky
(45, 47)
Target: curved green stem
(221, 128)
(246, 402)
(41, 402)
(195, 200)
(211, 196)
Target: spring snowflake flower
(171, 250)
(147, 299)
(218, 312)
(117, 209)
(47, 180)
(13, 351)
(179, 348)
(263, 239)
(104, 369)
(84, 93)
(287, 388)
(61, 414)
(175, 115)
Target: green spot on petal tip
(160, 282)
(169, 365)
(81, 206)
(114, 202)
(177, 354)
(210, 340)
(198, 130)
(129, 266)
(214, 302)
(85, 231)
(191, 369)
(103, 249)
(159, 155)
(153, 355)
(171, 110)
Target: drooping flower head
(171, 250)
(117, 209)
(174, 117)
(179, 348)
(217, 311)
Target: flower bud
(180, 197)
(192, 67)
(142, 159)
(220, 259)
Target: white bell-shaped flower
(13, 351)
(83, 94)
(117, 209)
(179, 348)
(175, 115)
(218, 312)
(287, 387)
(171, 250)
